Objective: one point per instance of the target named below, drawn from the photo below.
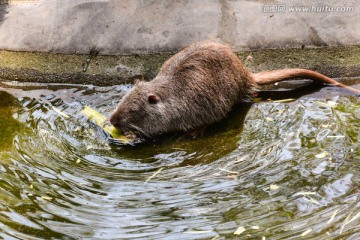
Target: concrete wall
(151, 26)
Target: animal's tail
(263, 78)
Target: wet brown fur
(195, 88)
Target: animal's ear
(153, 99)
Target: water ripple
(279, 170)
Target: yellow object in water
(100, 120)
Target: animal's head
(141, 111)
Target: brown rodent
(195, 88)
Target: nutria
(195, 88)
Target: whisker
(139, 130)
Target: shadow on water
(293, 93)
(306, 89)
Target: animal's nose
(114, 120)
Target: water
(280, 170)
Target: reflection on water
(8, 125)
(279, 170)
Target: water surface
(279, 170)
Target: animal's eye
(153, 99)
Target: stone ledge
(335, 62)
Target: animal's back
(215, 58)
(206, 79)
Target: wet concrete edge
(102, 70)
